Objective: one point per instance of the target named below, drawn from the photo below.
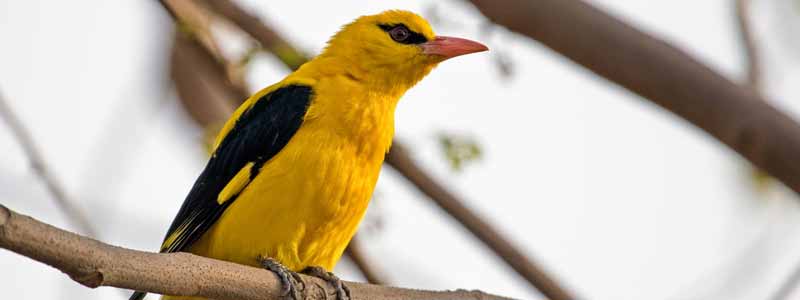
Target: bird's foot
(291, 283)
(342, 291)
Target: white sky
(616, 197)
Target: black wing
(259, 133)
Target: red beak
(449, 47)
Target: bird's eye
(399, 33)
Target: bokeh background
(615, 197)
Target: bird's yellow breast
(305, 204)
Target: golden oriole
(294, 167)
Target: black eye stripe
(413, 38)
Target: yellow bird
(294, 167)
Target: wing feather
(261, 131)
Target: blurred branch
(754, 70)
(356, 253)
(752, 56)
(735, 115)
(195, 22)
(200, 82)
(269, 39)
(41, 169)
(788, 286)
(400, 160)
(94, 264)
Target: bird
(293, 169)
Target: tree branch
(401, 161)
(788, 286)
(754, 71)
(357, 255)
(93, 264)
(269, 39)
(200, 82)
(41, 169)
(735, 115)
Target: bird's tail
(137, 295)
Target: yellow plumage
(305, 203)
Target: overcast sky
(616, 197)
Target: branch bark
(200, 82)
(23, 136)
(269, 39)
(359, 258)
(93, 264)
(735, 115)
(755, 81)
(754, 70)
(401, 160)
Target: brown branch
(93, 264)
(269, 39)
(196, 22)
(200, 82)
(355, 252)
(41, 169)
(402, 161)
(754, 71)
(735, 115)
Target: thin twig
(358, 256)
(752, 55)
(25, 140)
(93, 264)
(788, 286)
(195, 20)
(401, 160)
(200, 82)
(755, 80)
(269, 39)
(754, 70)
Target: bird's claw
(342, 291)
(291, 282)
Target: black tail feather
(137, 295)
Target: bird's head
(395, 46)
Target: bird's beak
(449, 47)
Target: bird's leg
(290, 281)
(342, 291)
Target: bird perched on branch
(294, 167)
